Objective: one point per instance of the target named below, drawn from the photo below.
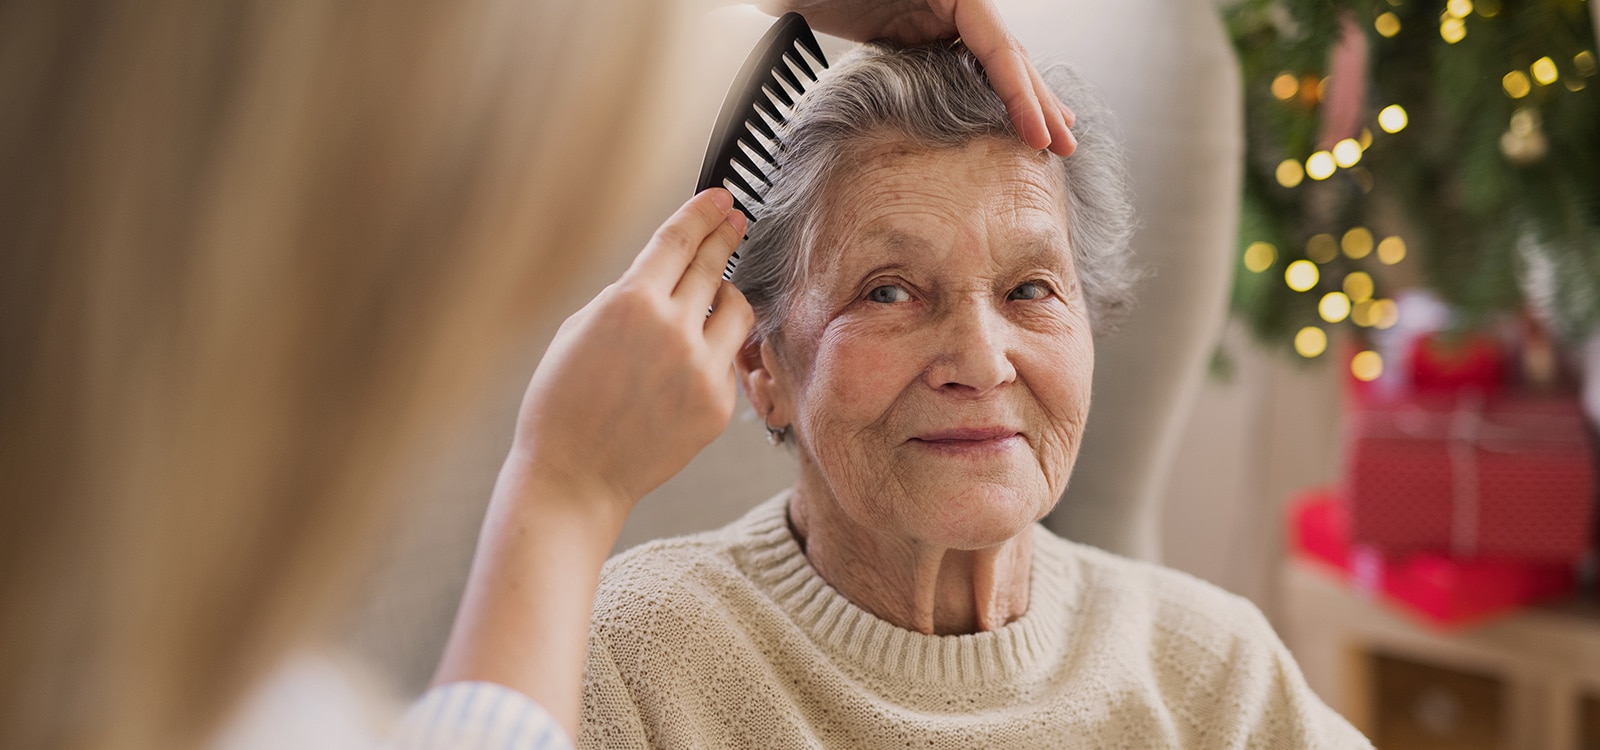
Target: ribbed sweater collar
(769, 554)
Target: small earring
(774, 434)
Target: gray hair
(934, 97)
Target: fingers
(699, 281)
(1039, 117)
(983, 32)
(674, 246)
(730, 322)
(1057, 117)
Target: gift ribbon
(1465, 429)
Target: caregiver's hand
(1040, 118)
(631, 388)
(640, 379)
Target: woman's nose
(974, 348)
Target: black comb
(741, 154)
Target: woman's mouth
(968, 441)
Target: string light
(1452, 29)
(1391, 250)
(1334, 307)
(1310, 92)
(1544, 71)
(1488, 8)
(1516, 84)
(1320, 165)
(1385, 313)
(1361, 314)
(1366, 366)
(1310, 342)
(1573, 84)
(1459, 8)
(1387, 24)
(1366, 139)
(1357, 243)
(1290, 173)
(1583, 62)
(1358, 286)
(1392, 118)
(1301, 275)
(1260, 256)
(1285, 86)
(1322, 248)
(1347, 152)
(1322, 88)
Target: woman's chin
(981, 516)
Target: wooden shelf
(1353, 649)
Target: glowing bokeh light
(1516, 84)
(1320, 165)
(1322, 248)
(1357, 242)
(1290, 173)
(1392, 118)
(1583, 62)
(1334, 307)
(1347, 152)
(1361, 313)
(1285, 86)
(1391, 250)
(1301, 275)
(1310, 342)
(1385, 313)
(1452, 29)
(1358, 286)
(1260, 256)
(1544, 71)
(1387, 24)
(1366, 366)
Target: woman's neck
(929, 589)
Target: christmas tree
(1397, 143)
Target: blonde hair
(253, 250)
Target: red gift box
(1507, 476)
(1443, 591)
(1450, 363)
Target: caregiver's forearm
(524, 619)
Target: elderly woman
(926, 289)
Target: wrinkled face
(936, 364)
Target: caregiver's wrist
(550, 495)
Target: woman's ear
(764, 382)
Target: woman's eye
(1029, 290)
(888, 294)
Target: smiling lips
(968, 440)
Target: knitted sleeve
(610, 716)
(477, 716)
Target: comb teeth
(740, 156)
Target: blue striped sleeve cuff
(478, 716)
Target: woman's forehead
(920, 205)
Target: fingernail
(738, 220)
(1072, 119)
(721, 198)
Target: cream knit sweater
(731, 639)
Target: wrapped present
(1443, 591)
(1451, 363)
(1509, 476)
